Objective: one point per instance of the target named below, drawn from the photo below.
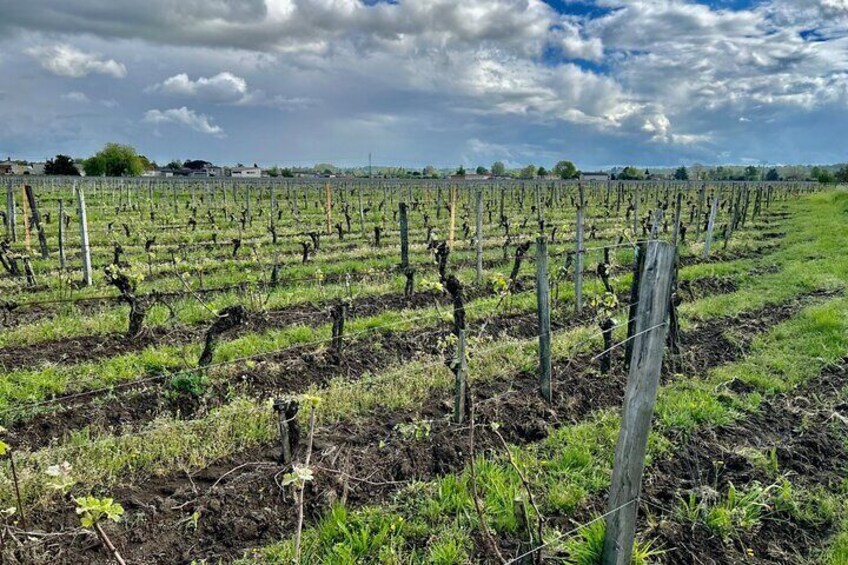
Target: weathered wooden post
(404, 236)
(702, 193)
(636, 212)
(452, 232)
(579, 253)
(361, 211)
(329, 205)
(479, 237)
(540, 217)
(544, 309)
(710, 227)
(11, 223)
(677, 208)
(62, 260)
(656, 223)
(36, 217)
(86, 249)
(640, 398)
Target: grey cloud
(667, 77)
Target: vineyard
(373, 371)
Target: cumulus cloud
(227, 88)
(669, 75)
(68, 61)
(223, 87)
(186, 117)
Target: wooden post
(640, 398)
(86, 249)
(578, 254)
(361, 212)
(479, 238)
(404, 236)
(638, 264)
(636, 212)
(710, 226)
(540, 217)
(452, 217)
(544, 309)
(62, 234)
(273, 218)
(36, 217)
(329, 196)
(656, 223)
(677, 207)
(702, 193)
(11, 227)
(461, 373)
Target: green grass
(578, 459)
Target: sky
(417, 82)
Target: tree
(114, 160)
(323, 167)
(481, 170)
(772, 175)
(274, 171)
(196, 164)
(460, 172)
(824, 176)
(498, 169)
(528, 172)
(566, 170)
(630, 173)
(286, 173)
(147, 164)
(752, 173)
(174, 165)
(61, 165)
(681, 174)
(542, 172)
(842, 174)
(430, 172)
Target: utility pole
(369, 165)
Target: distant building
(9, 167)
(207, 171)
(246, 172)
(594, 175)
(470, 176)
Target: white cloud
(227, 88)
(186, 117)
(223, 87)
(68, 61)
(76, 96)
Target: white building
(246, 172)
(594, 175)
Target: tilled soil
(246, 508)
(93, 347)
(289, 372)
(810, 448)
